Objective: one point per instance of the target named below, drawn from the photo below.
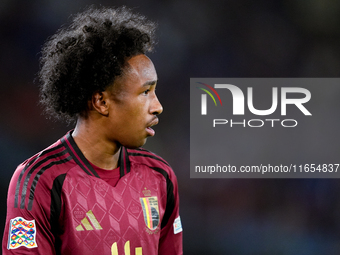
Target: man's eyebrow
(150, 83)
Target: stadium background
(233, 38)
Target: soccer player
(96, 191)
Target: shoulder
(53, 155)
(35, 175)
(145, 157)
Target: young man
(95, 191)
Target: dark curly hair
(86, 56)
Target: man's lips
(150, 131)
(153, 122)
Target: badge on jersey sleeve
(177, 225)
(22, 233)
(150, 211)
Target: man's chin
(135, 145)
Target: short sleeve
(171, 239)
(27, 227)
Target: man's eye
(146, 92)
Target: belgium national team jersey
(58, 204)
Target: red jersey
(58, 204)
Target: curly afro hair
(85, 57)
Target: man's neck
(95, 147)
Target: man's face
(134, 104)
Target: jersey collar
(79, 158)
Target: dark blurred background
(232, 38)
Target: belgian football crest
(22, 233)
(150, 211)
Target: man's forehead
(139, 71)
(142, 66)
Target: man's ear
(100, 103)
